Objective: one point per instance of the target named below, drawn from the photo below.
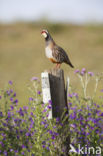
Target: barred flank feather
(61, 55)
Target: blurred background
(75, 25)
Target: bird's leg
(56, 66)
(59, 65)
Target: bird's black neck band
(47, 38)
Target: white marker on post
(46, 91)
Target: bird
(53, 52)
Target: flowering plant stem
(84, 84)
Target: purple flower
(46, 125)
(21, 131)
(70, 103)
(73, 115)
(9, 114)
(22, 153)
(15, 101)
(43, 122)
(16, 151)
(84, 70)
(21, 112)
(50, 102)
(30, 99)
(75, 94)
(56, 134)
(23, 146)
(73, 108)
(11, 107)
(31, 113)
(11, 150)
(53, 137)
(97, 131)
(34, 78)
(0, 142)
(28, 134)
(11, 99)
(82, 73)
(101, 90)
(53, 142)
(30, 119)
(10, 82)
(38, 92)
(11, 90)
(16, 120)
(5, 153)
(0, 96)
(50, 132)
(77, 71)
(101, 114)
(43, 142)
(14, 95)
(57, 120)
(25, 108)
(47, 148)
(54, 127)
(87, 133)
(70, 95)
(49, 106)
(89, 114)
(73, 125)
(8, 92)
(45, 110)
(90, 73)
(1, 114)
(31, 126)
(43, 146)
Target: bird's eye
(43, 32)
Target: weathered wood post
(58, 92)
(53, 88)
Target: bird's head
(45, 33)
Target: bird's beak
(42, 32)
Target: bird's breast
(48, 52)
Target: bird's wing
(58, 53)
(61, 55)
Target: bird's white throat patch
(48, 52)
(44, 34)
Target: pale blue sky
(74, 11)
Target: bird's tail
(69, 63)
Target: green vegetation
(27, 131)
(22, 51)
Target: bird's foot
(57, 65)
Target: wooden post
(58, 92)
(53, 88)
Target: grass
(22, 51)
